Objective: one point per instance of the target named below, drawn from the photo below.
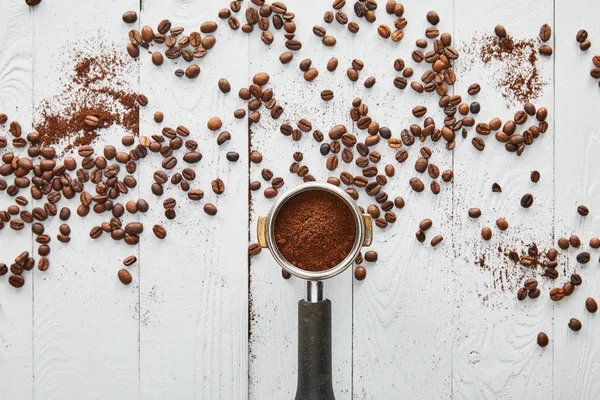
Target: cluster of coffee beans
(264, 15)
(514, 142)
(22, 263)
(582, 39)
(50, 179)
(545, 34)
(189, 47)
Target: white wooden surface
(199, 323)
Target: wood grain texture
(194, 286)
(576, 354)
(16, 305)
(274, 312)
(495, 355)
(85, 322)
(199, 322)
(399, 344)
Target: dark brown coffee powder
(315, 230)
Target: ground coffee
(315, 230)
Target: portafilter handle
(314, 345)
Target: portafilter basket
(314, 312)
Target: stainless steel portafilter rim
(266, 232)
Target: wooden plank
(576, 354)
(16, 305)
(194, 283)
(403, 309)
(273, 340)
(495, 354)
(85, 322)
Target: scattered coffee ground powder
(515, 62)
(315, 230)
(97, 87)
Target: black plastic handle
(314, 351)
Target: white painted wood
(85, 335)
(400, 346)
(273, 341)
(16, 305)
(424, 324)
(194, 286)
(577, 141)
(495, 354)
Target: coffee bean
(478, 143)
(502, 224)
(574, 241)
(486, 233)
(557, 294)
(583, 210)
(575, 279)
(521, 294)
(500, 31)
(585, 45)
(534, 294)
(124, 276)
(255, 157)
(545, 50)
(583, 257)
(542, 339)
(416, 184)
(210, 209)
(527, 200)
(550, 273)
(16, 281)
(574, 324)
(191, 158)
(129, 17)
(591, 305)
(535, 176)
(436, 240)
(595, 243)
(474, 212)
(563, 243)
(545, 32)
(327, 95)
(360, 273)
(581, 36)
(254, 249)
(192, 71)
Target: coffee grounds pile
(515, 61)
(96, 88)
(315, 230)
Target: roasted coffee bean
(574, 324)
(551, 273)
(575, 279)
(474, 212)
(568, 288)
(595, 243)
(574, 241)
(124, 276)
(557, 294)
(436, 240)
(563, 243)
(521, 294)
(542, 339)
(583, 210)
(210, 209)
(416, 184)
(478, 143)
(526, 200)
(591, 305)
(486, 233)
(191, 158)
(500, 31)
(583, 257)
(16, 281)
